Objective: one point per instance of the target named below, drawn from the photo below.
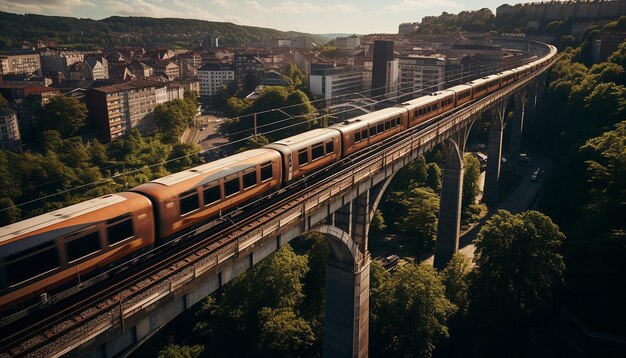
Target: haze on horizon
(312, 16)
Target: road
(521, 199)
(206, 135)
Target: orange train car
(307, 152)
(363, 131)
(41, 253)
(184, 199)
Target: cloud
(409, 5)
(292, 7)
(48, 7)
(296, 8)
(181, 9)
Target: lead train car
(193, 196)
(41, 253)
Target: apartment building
(212, 77)
(249, 72)
(327, 81)
(348, 43)
(96, 68)
(20, 63)
(116, 109)
(421, 75)
(9, 131)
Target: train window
(119, 229)
(398, 121)
(188, 202)
(418, 113)
(317, 150)
(372, 131)
(303, 157)
(364, 134)
(357, 137)
(387, 125)
(211, 195)
(380, 128)
(82, 246)
(330, 147)
(231, 187)
(29, 263)
(249, 180)
(266, 171)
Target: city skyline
(345, 16)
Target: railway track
(43, 330)
(127, 294)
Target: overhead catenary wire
(216, 148)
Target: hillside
(117, 30)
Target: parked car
(523, 158)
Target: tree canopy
(409, 312)
(274, 124)
(63, 114)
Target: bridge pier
(494, 153)
(517, 125)
(449, 222)
(346, 317)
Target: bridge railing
(244, 238)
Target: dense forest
(117, 30)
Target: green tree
(276, 284)
(412, 175)
(175, 351)
(11, 187)
(3, 101)
(518, 268)
(63, 114)
(183, 156)
(378, 222)
(274, 124)
(315, 286)
(74, 153)
(97, 152)
(420, 208)
(9, 213)
(471, 180)
(413, 313)
(606, 169)
(174, 117)
(284, 333)
(455, 279)
(255, 142)
(296, 77)
(433, 177)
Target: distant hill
(117, 30)
(334, 36)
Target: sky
(312, 16)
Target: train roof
(428, 98)
(227, 166)
(310, 137)
(54, 217)
(459, 88)
(363, 119)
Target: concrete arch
(343, 248)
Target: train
(40, 254)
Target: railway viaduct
(341, 206)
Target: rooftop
(135, 84)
